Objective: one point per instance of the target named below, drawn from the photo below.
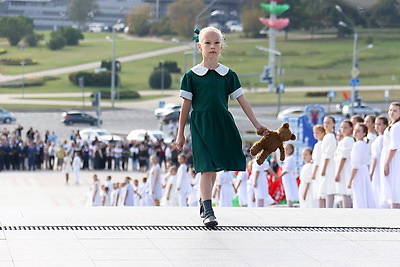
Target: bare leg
(329, 201)
(156, 202)
(206, 184)
(321, 203)
(395, 205)
(260, 202)
(66, 177)
(346, 201)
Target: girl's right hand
(180, 141)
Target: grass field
(306, 62)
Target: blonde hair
(212, 29)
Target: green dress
(216, 142)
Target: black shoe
(202, 215)
(210, 222)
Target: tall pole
(113, 69)
(23, 78)
(272, 46)
(279, 82)
(354, 72)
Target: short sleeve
(395, 137)
(186, 87)
(235, 89)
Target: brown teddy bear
(268, 144)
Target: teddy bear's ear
(293, 137)
(285, 125)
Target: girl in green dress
(216, 142)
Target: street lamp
(22, 77)
(196, 26)
(113, 68)
(278, 53)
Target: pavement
(44, 222)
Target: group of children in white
(356, 166)
(359, 166)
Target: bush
(107, 65)
(71, 35)
(33, 39)
(56, 42)
(17, 61)
(171, 66)
(93, 79)
(155, 79)
(122, 95)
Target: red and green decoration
(277, 9)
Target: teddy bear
(268, 144)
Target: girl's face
(210, 45)
(359, 133)
(328, 124)
(181, 160)
(394, 112)
(306, 156)
(369, 123)
(318, 135)
(380, 126)
(346, 129)
(288, 150)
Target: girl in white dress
(306, 196)
(319, 133)
(129, 192)
(171, 194)
(360, 179)
(327, 188)
(369, 121)
(95, 192)
(194, 195)
(183, 181)
(289, 176)
(67, 167)
(155, 180)
(241, 187)
(76, 165)
(225, 188)
(390, 159)
(342, 162)
(381, 124)
(259, 181)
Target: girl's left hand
(349, 186)
(264, 129)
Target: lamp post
(196, 26)
(23, 78)
(278, 53)
(113, 69)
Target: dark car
(71, 117)
(173, 116)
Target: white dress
(376, 149)
(327, 182)
(343, 150)
(362, 191)
(261, 191)
(194, 195)
(242, 176)
(289, 179)
(391, 182)
(76, 165)
(305, 178)
(129, 194)
(155, 180)
(95, 194)
(226, 193)
(67, 164)
(183, 183)
(173, 195)
(316, 157)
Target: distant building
(48, 14)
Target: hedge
(122, 95)
(17, 61)
(93, 79)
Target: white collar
(201, 71)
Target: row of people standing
(360, 164)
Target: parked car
(361, 109)
(153, 135)
(297, 111)
(71, 117)
(101, 134)
(158, 112)
(173, 116)
(6, 116)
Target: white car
(361, 109)
(102, 135)
(154, 135)
(168, 108)
(292, 112)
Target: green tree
(80, 10)
(57, 41)
(71, 35)
(386, 13)
(250, 14)
(15, 28)
(139, 20)
(183, 16)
